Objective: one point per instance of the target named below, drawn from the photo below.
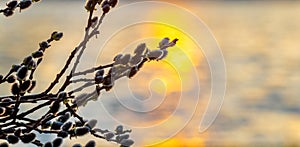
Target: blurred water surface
(259, 41)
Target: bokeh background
(259, 41)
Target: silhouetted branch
(18, 124)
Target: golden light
(174, 72)
(180, 61)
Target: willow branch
(81, 87)
(86, 39)
(91, 70)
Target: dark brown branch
(96, 135)
(84, 42)
(81, 88)
(58, 76)
(70, 109)
(22, 120)
(91, 15)
(16, 108)
(82, 80)
(7, 75)
(34, 109)
(60, 113)
(91, 70)
(29, 101)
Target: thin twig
(86, 39)
(96, 135)
(7, 75)
(81, 88)
(34, 109)
(74, 113)
(91, 15)
(16, 108)
(60, 74)
(91, 70)
(82, 80)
